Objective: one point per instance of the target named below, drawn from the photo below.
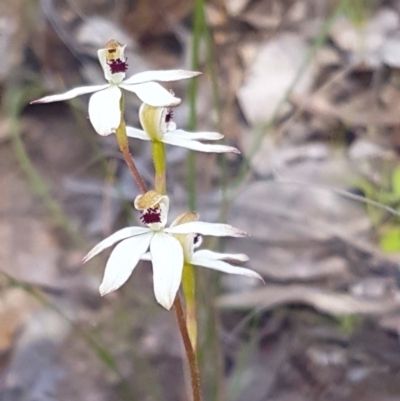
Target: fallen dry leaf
(272, 296)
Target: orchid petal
(146, 257)
(152, 94)
(137, 133)
(82, 90)
(114, 238)
(167, 257)
(123, 260)
(207, 254)
(205, 136)
(224, 267)
(200, 227)
(162, 76)
(200, 147)
(105, 110)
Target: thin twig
(190, 354)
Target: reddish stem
(190, 354)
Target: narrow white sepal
(71, 94)
(167, 258)
(198, 146)
(204, 136)
(123, 260)
(224, 267)
(137, 133)
(200, 227)
(152, 94)
(207, 254)
(105, 110)
(113, 239)
(161, 75)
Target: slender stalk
(188, 285)
(158, 150)
(123, 143)
(193, 86)
(160, 181)
(190, 354)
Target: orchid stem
(160, 181)
(190, 354)
(188, 285)
(123, 143)
(160, 185)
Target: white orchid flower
(166, 251)
(104, 105)
(204, 257)
(158, 126)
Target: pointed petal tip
(167, 304)
(240, 233)
(253, 274)
(103, 290)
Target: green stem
(160, 180)
(159, 160)
(193, 85)
(188, 284)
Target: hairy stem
(123, 143)
(191, 356)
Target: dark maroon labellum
(151, 215)
(118, 66)
(169, 115)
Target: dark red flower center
(118, 66)
(151, 215)
(169, 115)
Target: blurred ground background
(309, 90)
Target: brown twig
(190, 354)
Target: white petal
(224, 267)
(137, 133)
(146, 257)
(207, 254)
(205, 136)
(114, 238)
(200, 147)
(167, 257)
(153, 94)
(162, 76)
(105, 110)
(123, 260)
(71, 94)
(200, 227)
